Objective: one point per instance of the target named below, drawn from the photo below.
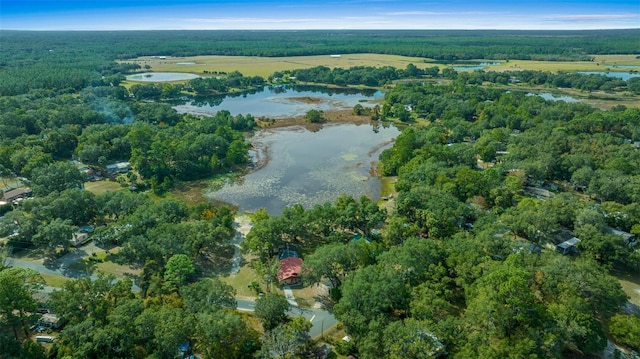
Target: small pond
(479, 66)
(552, 97)
(301, 166)
(280, 102)
(162, 76)
(622, 75)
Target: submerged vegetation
(461, 260)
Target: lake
(619, 74)
(552, 97)
(161, 76)
(301, 166)
(280, 102)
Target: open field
(600, 63)
(266, 66)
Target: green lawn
(100, 187)
(631, 286)
(54, 280)
(241, 281)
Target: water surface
(280, 102)
(552, 97)
(162, 76)
(310, 167)
(619, 74)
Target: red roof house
(290, 269)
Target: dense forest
(490, 178)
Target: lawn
(631, 286)
(54, 280)
(100, 187)
(241, 280)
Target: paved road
(321, 320)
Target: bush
(625, 329)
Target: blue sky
(313, 14)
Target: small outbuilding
(568, 246)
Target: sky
(314, 14)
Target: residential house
(289, 272)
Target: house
(49, 321)
(16, 195)
(568, 246)
(289, 272)
(120, 167)
(81, 236)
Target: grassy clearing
(266, 66)
(241, 280)
(631, 286)
(100, 187)
(54, 280)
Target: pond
(622, 75)
(552, 97)
(479, 66)
(301, 166)
(161, 76)
(280, 101)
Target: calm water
(161, 76)
(552, 97)
(479, 66)
(280, 102)
(310, 167)
(622, 75)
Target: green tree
(288, 340)
(625, 329)
(17, 286)
(411, 339)
(179, 269)
(222, 334)
(332, 261)
(57, 233)
(315, 116)
(56, 177)
(208, 295)
(272, 309)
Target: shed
(568, 246)
(289, 272)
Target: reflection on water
(162, 76)
(280, 101)
(310, 167)
(552, 97)
(619, 74)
